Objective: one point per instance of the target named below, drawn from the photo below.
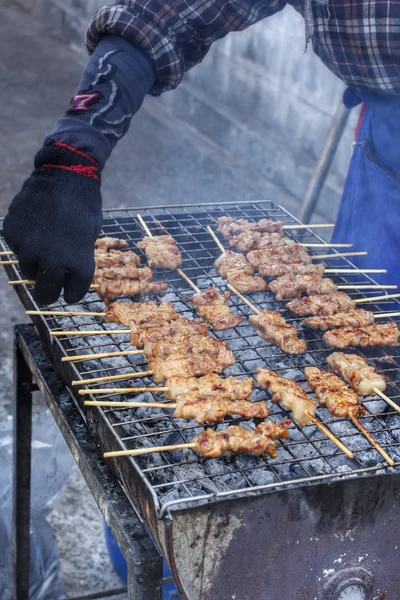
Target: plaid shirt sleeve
(176, 34)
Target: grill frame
(135, 478)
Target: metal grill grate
(181, 476)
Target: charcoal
(247, 355)
(230, 481)
(262, 476)
(318, 466)
(303, 451)
(172, 494)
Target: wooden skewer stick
(128, 404)
(143, 224)
(329, 435)
(189, 281)
(141, 451)
(96, 356)
(6, 253)
(326, 245)
(66, 313)
(249, 304)
(112, 378)
(216, 240)
(93, 332)
(373, 298)
(122, 390)
(350, 271)
(367, 287)
(388, 400)
(390, 314)
(311, 226)
(9, 262)
(338, 255)
(94, 286)
(371, 440)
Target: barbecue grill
(310, 524)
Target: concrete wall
(267, 103)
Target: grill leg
(145, 580)
(22, 425)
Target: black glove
(54, 221)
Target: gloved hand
(54, 221)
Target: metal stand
(143, 561)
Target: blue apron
(369, 212)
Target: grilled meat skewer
(246, 241)
(269, 260)
(353, 369)
(260, 440)
(209, 386)
(229, 227)
(119, 272)
(161, 251)
(213, 307)
(385, 334)
(234, 267)
(289, 393)
(109, 289)
(106, 243)
(140, 312)
(333, 393)
(214, 410)
(352, 317)
(291, 269)
(272, 327)
(112, 258)
(326, 304)
(196, 357)
(178, 331)
(290, 286)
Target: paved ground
(38, 75)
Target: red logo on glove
(83, 101)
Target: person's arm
(137, 47)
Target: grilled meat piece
(110, 289)
(250, 240)
(192, 358)
(385, 334)
(213, 410)
(289, 393)
(104, 259)
(209, 386)
(326, 304)
(191, 345)
(353, 369)
(260, 440)
(352, 317)
(234, 267)
(272, 327)
(110, 242)
(177, 331)
(213, 307)
(229, 227)
(127, 313)
(272, 257)
(295, 269)
(161, 251)
(333, 393)
(290, 286)
(129, 271)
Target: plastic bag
(51, 466)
